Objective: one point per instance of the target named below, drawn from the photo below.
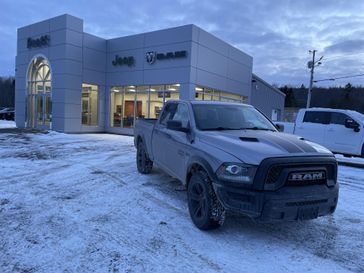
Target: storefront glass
(116, 110)
(129, 103)
(204, 93)
(39, 102)
(131, 108)
(90, 104)
(156, 100)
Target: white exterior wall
(76, 57)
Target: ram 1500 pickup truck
(231, 157)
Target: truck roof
(330, 110)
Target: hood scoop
(249, 139)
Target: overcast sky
(277, 34)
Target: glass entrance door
(39, 104)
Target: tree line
(7, 91)
(344, 97)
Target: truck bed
(144, 128)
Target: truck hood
(252, 146)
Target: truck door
(160, 134)
(171, 147)
(178, 145)
(341, 139)
(313, 126)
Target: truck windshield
(230, 117)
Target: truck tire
(144, 164)
(205, 209)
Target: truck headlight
(235, 172)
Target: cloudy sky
(278, 34)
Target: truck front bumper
(287, 203)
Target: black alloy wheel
(144, 164)
(205, 210)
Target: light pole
(312, 64)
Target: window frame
(98, 104)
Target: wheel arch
(196, 164)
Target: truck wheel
(144, 164)
(205, 209)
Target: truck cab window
(168, 113)
(338, 118)
(181, 114)
(317, 117)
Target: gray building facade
(267, 98)
(71, 81)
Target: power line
(338, 78)
(342, 56)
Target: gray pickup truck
(231, 157)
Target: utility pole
(312, 64)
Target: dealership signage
(152, 56)
(39, 42)
(129, 61)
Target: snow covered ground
(353, 160)
(76, 203)
(7, 124)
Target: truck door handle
(330, 130)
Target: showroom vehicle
(231, 157)
(339, 130)
(7, 113)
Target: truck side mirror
(176, 125)
(279, 127)
(352, 124)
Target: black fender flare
(203, 163)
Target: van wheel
(205, 209)
(144, 164)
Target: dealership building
(71, 81)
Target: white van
(341, 131)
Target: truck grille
(275, 171)
(273, 174)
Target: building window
(156, 101)
(116, 106)
(39, 98)
(204, 93)
(130, 107)
(128, 103)
(90, 104)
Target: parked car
(7, 113)
(230, 157)
(341, 131)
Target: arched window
(39, 99)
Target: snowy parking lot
(76, 203)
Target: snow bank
(7, 124)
